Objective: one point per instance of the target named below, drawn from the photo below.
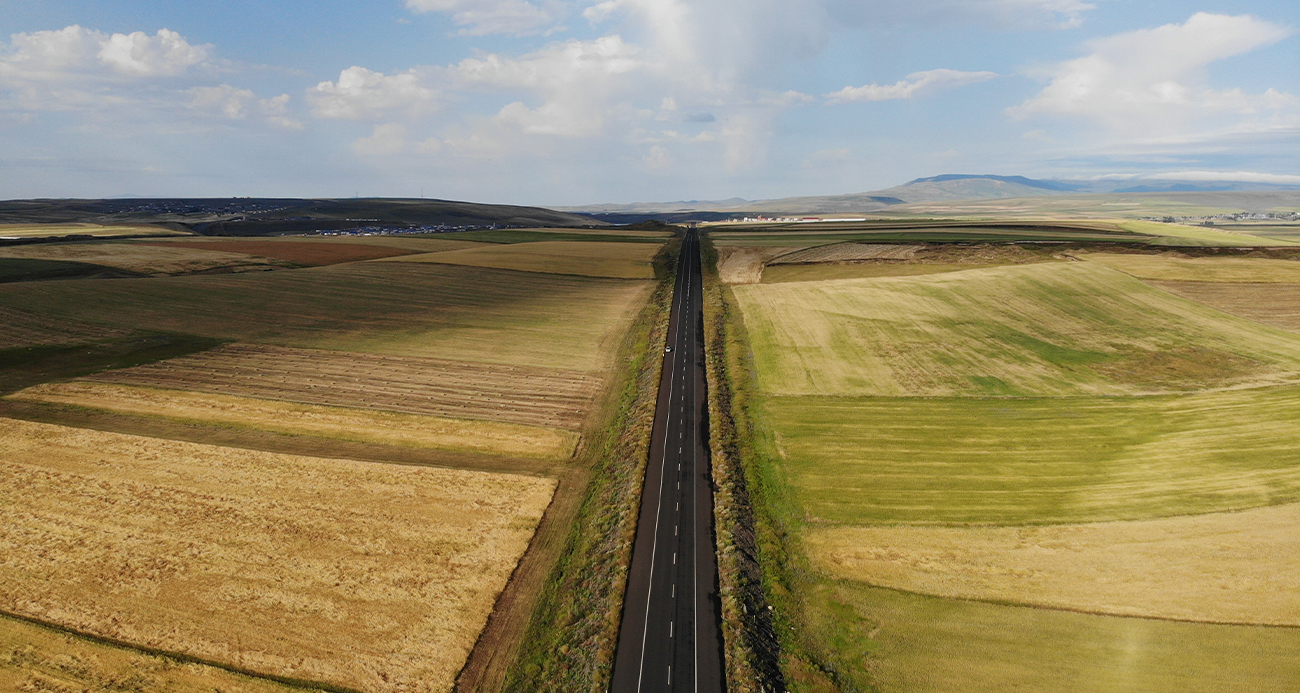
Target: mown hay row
(438, 387)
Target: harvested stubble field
(365, 426)
(308, 253)
(415, 385)
(370, 576)
(840, 252)
(1272, 304)
(410, 243)
(871, 260)
(586, 258)
(1202, 269)
(1241, 563)
(886, 640)
(141, 258)
(427, 310)
(1047, 329)
(23, 329)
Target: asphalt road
(671, 637)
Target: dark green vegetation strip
(571, 636)
(527, 236)
(751, 644)
(26, 270)
(26, 366)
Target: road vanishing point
(671, 635)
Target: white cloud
(385, 140)
(576, 81)
(1240, 176)
(361, 94)
(1154, 78)
(915, 83)
(78, 53)
(238, 104)
(482, 17)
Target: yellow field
(1202, 269)
(419, 244)
(602, 231)
(137, 257)
(1179, 234)
(591, 259)
(1223, 567)
(372, 576)
(367, 426)
(34, 658)
(1052, 329)
(42, 230)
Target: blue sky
(580, 101)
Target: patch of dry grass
(586, 258)
(139, 257)
(359, 574)
(738, 264)
(1059, 328)
(1252, 270)
(839, 252)
(1220, 567)
(1272, 304)
(34, 658)
(366, 426)
(437, 387)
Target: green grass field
(1028, 330)
(1006, 401)
(878, 639)
(1030, 461)
(1202, 269)
(44, 230)
(461, 313)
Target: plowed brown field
(438, 387)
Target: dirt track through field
(439, 387)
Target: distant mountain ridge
(941, 188)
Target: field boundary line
(305, 684)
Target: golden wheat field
(35, 658)
(587, 258)
(361, 425)
(1220, 567)
(415, 385)
(40, 230)
(371, 576)
(139, 257)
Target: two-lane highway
(671, 638)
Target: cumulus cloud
(361, 94)
(78, 53)
(483, 17)
(576, 81)
(915, 84)
(1155, 77)
(239, 104)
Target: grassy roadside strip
(746, 539)
(569, 642)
